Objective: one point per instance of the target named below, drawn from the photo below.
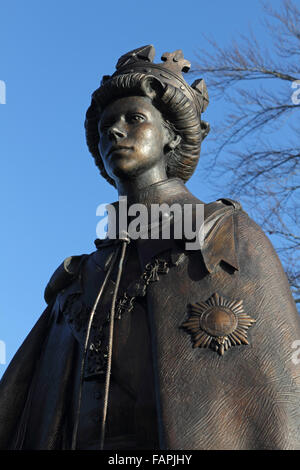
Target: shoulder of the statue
(63, 276)
(229, 234)
(220, 233)
(219, 208)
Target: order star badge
(218, 323)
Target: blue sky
(53, 55)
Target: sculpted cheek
(147, 131)
(150, 135)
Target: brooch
(218, 323)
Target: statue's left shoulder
(231, 236)
(220, 237)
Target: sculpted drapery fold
(146, 344)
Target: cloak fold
(246, 398)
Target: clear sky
(53, 55)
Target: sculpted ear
(176, 139)
(172, 138)
(152, 87)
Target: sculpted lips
(114, 148)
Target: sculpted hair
(177, 110)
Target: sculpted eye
(136, 118)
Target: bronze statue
(144, 343)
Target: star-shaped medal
(218, 323)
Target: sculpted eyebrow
(137, 111)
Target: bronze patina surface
(145, 344)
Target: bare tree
(257, 143)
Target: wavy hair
(177, 111)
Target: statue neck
(167, 191)
(132, 187)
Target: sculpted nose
(116, 133)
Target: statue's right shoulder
(66, 272)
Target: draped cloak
(189, 397)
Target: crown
(169, 72)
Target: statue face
(132, 137)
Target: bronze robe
(235, 396)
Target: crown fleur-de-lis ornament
(144, 54)
(170, 70)
(176, 62)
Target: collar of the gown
(172, 191)
(168, 192)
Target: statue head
(172, 106)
